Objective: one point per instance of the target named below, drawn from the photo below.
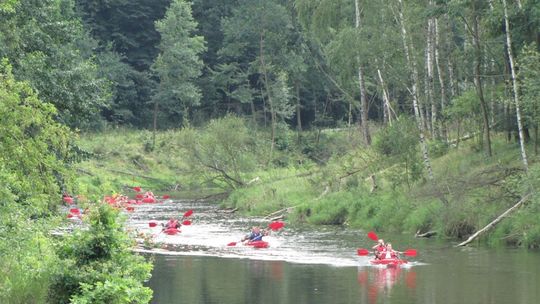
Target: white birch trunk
(388, 110)
(430, 70)
(363, 95)
(409, 51)
(440, 73)
(515, 86)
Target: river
(315, 265)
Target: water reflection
(378, 281)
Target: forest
(417, 116)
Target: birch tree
(514, 86)
(409, 50)
(361, 82)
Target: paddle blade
(275, 226)
(188, 213)
(152, 224)
(362, 252)
(372, 235)
(186, 222)
(68, 199)
(232, 244)
(137, 189)
(166, 196)
(410, 252)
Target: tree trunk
(363, 94)
(536, 140)
(440, 73)
(298, 111)
(448, 47)
(387, 106)
(430, 72)
(268, 93)
(515, 86)
(253, 113)
(478, 82)
(156, 107)
(495, 221)
(409, 51)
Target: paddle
(362, 252)
(372, 236)
(186, 222)
(410, 252)
(188, 213)
(276, 225)
(152, 224)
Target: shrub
(98, 265)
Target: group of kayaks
(118, 201)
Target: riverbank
(325, 178)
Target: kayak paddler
(390, 253)
(256, 234)
(172, 223)
(379, 249)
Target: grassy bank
(326, 178)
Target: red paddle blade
(138, 189)
(232, 244)
(186, 222)
(275, 226)
(362, 251)
(188, 213)
(410, 252)
(166, 196)
(372, 236)
(152, 224)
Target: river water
(315, 265)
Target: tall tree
(258, 37)
(127, 47)
(362, 84)
(178, 64)
(515, 86)
(48, 46)
(409, 52)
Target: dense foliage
(394, 114)
(36, 159)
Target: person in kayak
(390, 253)
(379, 249)
(256, 234)
(172, 223)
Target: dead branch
(280, 213)
(425, 234)
(495, 222)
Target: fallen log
(280, 214)
(425, 234)
(495, 221)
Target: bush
(98, 265)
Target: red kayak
(171, 231)
(389, 262)
(258, 244)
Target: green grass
(469, 189)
